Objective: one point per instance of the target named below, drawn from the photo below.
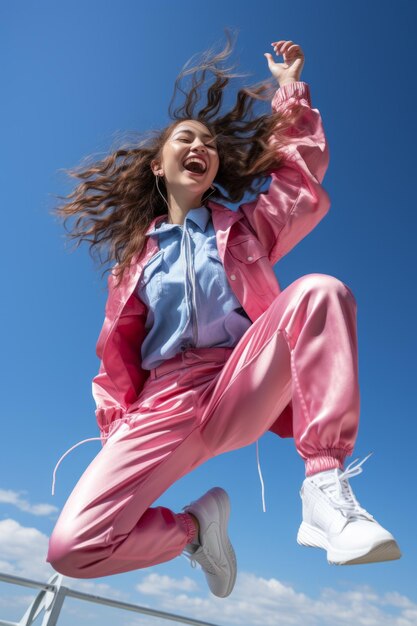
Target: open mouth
(195, 165)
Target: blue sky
(73, 75)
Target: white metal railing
(52, 594)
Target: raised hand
(290, 70)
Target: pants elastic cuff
(330, 458)
(188, 524)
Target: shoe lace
(203, 559)
(338, 489)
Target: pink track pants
(207, 401)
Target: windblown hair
(117, 199)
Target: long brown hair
(117, 198)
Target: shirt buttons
(233, 276)
(250, 258)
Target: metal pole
(52, 595)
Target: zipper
(193, 298)
(190, 284)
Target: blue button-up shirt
(190, 302)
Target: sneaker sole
(314, 538)
(223, 503)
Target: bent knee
(63, 555)
(325, 284)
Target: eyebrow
(187, 130)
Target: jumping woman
(201, 352)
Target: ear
(156, 169)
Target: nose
(199, 144)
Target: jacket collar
(155, 223)
(223, 220)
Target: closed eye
(208, 144)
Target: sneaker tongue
(340, 493)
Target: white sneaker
(215, 553)
(334, 520)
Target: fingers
(281, 46)
(286, 48)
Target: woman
(200, 351)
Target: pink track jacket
(250, 241)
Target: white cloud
(15, 601)
(96, 588)
(156, 585)
(23, 551)
(258, 601)
(7, 496)
(396, 599)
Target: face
(189, 139)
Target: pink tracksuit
(293, 372)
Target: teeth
(197, 160)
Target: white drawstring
(260, 476)
(70, 450)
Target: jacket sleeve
(120, 376)
(295, 200)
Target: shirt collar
(199, 216)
